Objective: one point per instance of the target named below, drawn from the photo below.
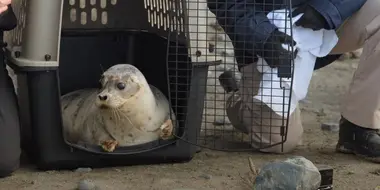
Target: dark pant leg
(10, 149)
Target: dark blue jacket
(245, 21)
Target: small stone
(84, 170)
(211, 155)
(87, 185)
(321, 113)
(51, 172)
(305, 101)
(332, 127)
(206, 176)
(118, 170)
(376, 172)
(293, 173)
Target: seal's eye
(120, 86)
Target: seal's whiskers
(115, 115)
(121, 113)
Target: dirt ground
(224, 170)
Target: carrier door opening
(84, 59)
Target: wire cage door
(249, 83)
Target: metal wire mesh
(248, 88)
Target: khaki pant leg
(258, 120)
(361, 105)
(356, 30)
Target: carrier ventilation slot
(165, 14)
(98, 11)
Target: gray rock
(295, 173)
(83, 170)
(87, 185)
(332, 127)
(206, 176)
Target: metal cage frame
(202, 55)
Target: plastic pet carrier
(63, 46)
(186, 49)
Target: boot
(357, 140)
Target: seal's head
(119, 84)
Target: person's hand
(4, 5)
(276, 55)
(310, 19)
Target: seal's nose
(103, 98)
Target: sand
(226, 170)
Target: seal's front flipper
(109, 145)
(166, 130)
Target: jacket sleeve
(244, 22)
(8, 20)
(336, 11)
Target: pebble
(87, 185)
(332, 127)
(321, 113)
(376, 172)
(211, 155)
(291, 174)
(206, 176)
(305, 101)
(83, 170)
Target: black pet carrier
(54, 54)
(180, 47)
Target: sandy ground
(222, 170)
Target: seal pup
(126, 111)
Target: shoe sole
(343, 150)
